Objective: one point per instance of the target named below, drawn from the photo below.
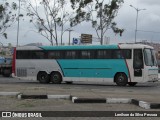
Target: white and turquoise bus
(123, 63)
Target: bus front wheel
(43, 77)
(56, 78)
(121, 79)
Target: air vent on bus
(22, 72)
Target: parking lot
(148, 92)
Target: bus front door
(138, 65)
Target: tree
(64, 18)
(7, 16)
(49, 17)
(99, 13)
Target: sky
(148, 20)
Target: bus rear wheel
(43, 77)
(132, 83)
(121, 79)
(56, 78)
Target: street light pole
(18, 24)
(101, 23)
(136, 26)
(69, 36)
(137, 10)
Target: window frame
(78, 54)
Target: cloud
(150, 2)
(148, 20)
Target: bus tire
(132, 83)
(43, 77)
(56, 78)
(121, 79)
(6, 73)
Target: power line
(149, 31)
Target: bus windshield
(149, 57)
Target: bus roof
(80, 47)
(133, 45)
(125, 46)
(88, 47)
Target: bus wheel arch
(121, 79)
(56, 77)
(43, 77)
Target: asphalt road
(149, 86)
(144, 91)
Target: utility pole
(137, 10)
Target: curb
(145, 105)
(59, 96)
(101, 100)
(88, 100)
(21, 96)
(118, 100)
(142, 104)
(9, 93)
(136, 102)
(32, 96)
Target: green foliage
(1, 9)
(99, 13)
(21, 15)
(7, 16)
(116, 30)
(82, 3)
(48, 17)
(14, 6)
(5, 35)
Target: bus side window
(50, 55)
(100, 54)
(38, 55)
(55, 54)
(138, 59)
(70, 54)
(22, 55)
(126, 53)
(104, 54)
(117, 54)
(87, 54)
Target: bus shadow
(77, 84)
(114, 85)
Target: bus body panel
(30, 68)
(84, 79)
(79, 68)
(96, 70)
(101, 68)
(150, 74)
(129, 63)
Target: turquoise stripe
(93, 68)
(79, 47)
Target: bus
(122, 64)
